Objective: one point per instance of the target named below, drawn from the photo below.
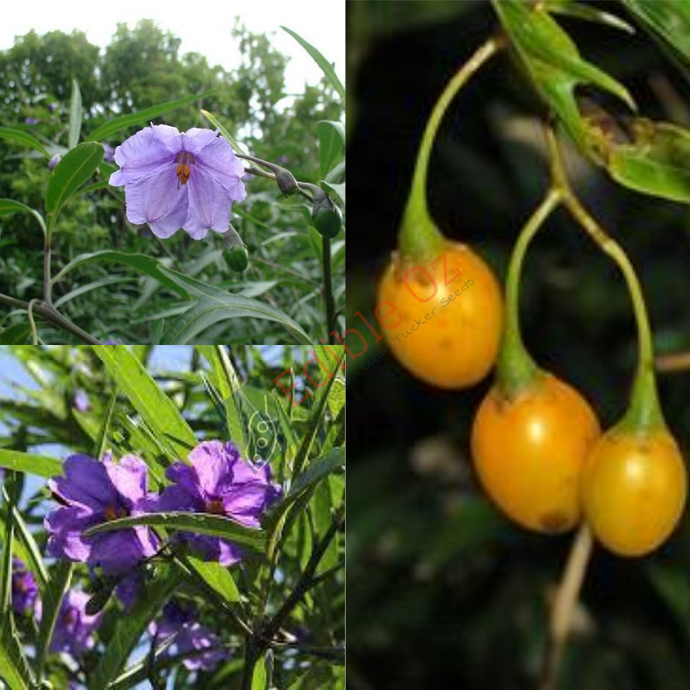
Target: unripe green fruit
(237, 257)
(327, 221)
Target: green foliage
(172, 394)
(142, 77)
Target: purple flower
(127, 590)
(218, 482)
(93, 492)
(110, 341)
(178, 620)
(80, 402)
(74, 627)
(52, 163)
(30, 121)
(52, 107)
(109, 156)
(175, 180)
(24, 588)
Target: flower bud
(54, 161)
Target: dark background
(442, 591)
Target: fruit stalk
(644, 412)
(564, 605)
(515, 367)
(419, 238)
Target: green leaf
(71, 172)
(553, 62)
(16, 334)
(326, 67)
(331, 144)
(580, 10)
(140, 262)
(8, 206)
(669, 24)
(656, 162)
(226, 382)
(39, 465)
(263, 672)
(51, 602)
(143, 116)
(75, 116)
(318, 469)
(337, 189)
(14, 667)
(215, 305)
(130, 628)
(217, 577)
(26, 548)
(155, 407)
(20, 137)
(226, 134)
(214, 525)
(6, 561)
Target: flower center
(112, 513)
(215, 506)
(184, 160)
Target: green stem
(644, 412)
(419, 237)
(515, 368)
(328, 290)
(49, 313)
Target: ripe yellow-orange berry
(634, 488)
(529, 452)
(442, 319)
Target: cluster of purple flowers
(74, 628)
(91, 492)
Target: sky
(203, 27)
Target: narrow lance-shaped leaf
(50, 609)
(75, 115)
(142, 117)
(155, 407)
(129, 629)
(39, 465)
(71, 173)
(326, 67)
(214, 525)
(16, 135)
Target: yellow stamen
(184, 159)
(215, 507)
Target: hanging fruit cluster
(537, 444)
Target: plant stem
(47, 284)
(564, 606)
(304, 582)
(328, 290)
(49, 313)
(644, 411)
(417, 233)
(250, 658)
(515, 366)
